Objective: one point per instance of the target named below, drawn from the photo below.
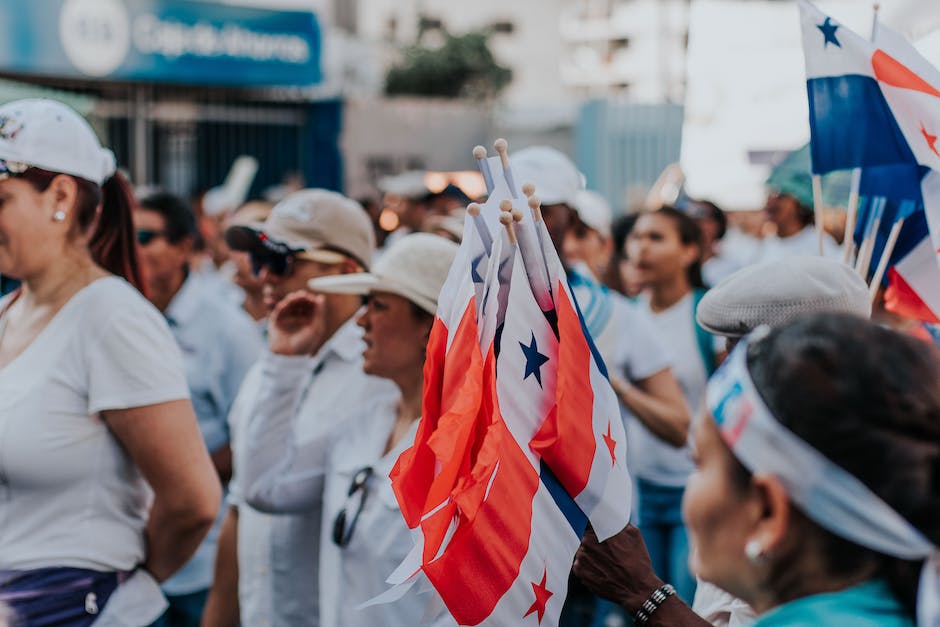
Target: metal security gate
(184, 139)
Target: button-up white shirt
(302, 400)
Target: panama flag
(518, 543)
(455, 380)
(582, 440)
(850, 120)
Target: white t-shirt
(720, 608)
(653, 459)
(803, 243)
(69, 493)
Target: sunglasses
(146, 236)
(343, 530)
(277, 263)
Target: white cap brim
(363, 283)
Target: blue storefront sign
(174, 41)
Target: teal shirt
(870, 604)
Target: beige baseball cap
(415, 267)
(324, 225)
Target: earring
(754, 551)
(59, 216)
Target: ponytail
(112, 242)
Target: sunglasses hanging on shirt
(344, 526)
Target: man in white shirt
(219, 343)
(789, 208)
(309, 234)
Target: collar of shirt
(186, 302)
(345, 344)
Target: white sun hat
(46, 134)
(415, 267)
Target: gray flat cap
(776, 292)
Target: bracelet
(650, 605)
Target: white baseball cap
(554, 175)
(593, 210)
(46, 134)
(407, 185)
(415, 267)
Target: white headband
(824, 491)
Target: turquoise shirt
(870, 604)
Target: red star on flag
(542, 595)
(611, 445)
(931, 139)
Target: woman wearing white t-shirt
(665, 246)
(105, 485)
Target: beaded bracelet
(650, 605)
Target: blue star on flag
(534, 360)
(829, 32)
(474, 274)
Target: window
(504, 27)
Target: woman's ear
(690, 254)
(775, 515)
(63, 194)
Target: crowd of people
(198, 418)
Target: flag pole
(851, 213)
(479, 153)
(885, 258)
(476, 211)
(506, 219)
(502, 148)
(817, 210)
(867, 248)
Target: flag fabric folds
(520, 443)
(875, 105)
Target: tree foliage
(462, 67)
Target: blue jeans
(665, 536)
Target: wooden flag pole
(502, 148)
(851, 212)
(506, 219)
(817, 211)
(885, 258)
(868, 245)
(476, 211)
(479, 153)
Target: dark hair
(619, 230)
(177, 214)
(708, 209)
(112, 244)
(690, 234)
(868, 399)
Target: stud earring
(754, 551)
(59, 216)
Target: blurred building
(635, 49)
(180, 88)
